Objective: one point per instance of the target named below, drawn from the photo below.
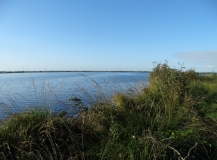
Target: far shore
(64, 71)
(3, 72)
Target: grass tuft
(174, 117)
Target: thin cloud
(207, 59)
(211, 66)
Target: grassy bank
(174, 117)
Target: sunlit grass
(173, 117)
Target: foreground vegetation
(174, 117)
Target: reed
(173, 117)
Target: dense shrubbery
(175, 116)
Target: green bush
(191, 75)
(175, 116)
(169, 82)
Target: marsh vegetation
(173, 117)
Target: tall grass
(174, 117)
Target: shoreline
(1, 72)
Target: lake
(21, 91)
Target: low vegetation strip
(62, 71)
(174, 117)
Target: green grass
(174, 117)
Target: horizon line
(64, 71)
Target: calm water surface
(20, 91)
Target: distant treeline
(205, 73)
(64, 71)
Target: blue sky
(107, 34)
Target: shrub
(170, 83)
(173, 117)
(191, 75)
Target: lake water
(21, 91)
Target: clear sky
(107, 34)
